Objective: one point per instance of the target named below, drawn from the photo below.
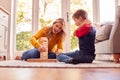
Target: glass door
(34, 14)
(107, 11)
(49, 10)
(23, 24)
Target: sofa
(108, 37)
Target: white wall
(6, 4)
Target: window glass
(49, 10)
(107, 10)
(24, 24)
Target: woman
(55, 35)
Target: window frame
(35, 4)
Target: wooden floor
(59, 74)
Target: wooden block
(42, 60)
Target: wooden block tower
(44, 54)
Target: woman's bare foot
(18, 58)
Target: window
(75, 5)
(107, 10)
(49, 10)
(24, 24)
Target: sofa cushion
(103, 33)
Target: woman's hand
(58, 51)
(42, 48)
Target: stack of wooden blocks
(43, 55)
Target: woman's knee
(30, 54)
(60, 57)
(25, 55)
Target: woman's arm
(35, 38)
(59, 46)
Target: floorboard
(59, 74)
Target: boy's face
(78, 21)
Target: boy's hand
(87, 21)
(74, 33)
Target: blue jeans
(83, 58)
(34, 53)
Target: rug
(25, 64)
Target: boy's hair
(80, 12)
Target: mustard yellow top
(55, 41)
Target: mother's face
(57, 27)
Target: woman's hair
(60, 20)
(63, 32)
(80, 12)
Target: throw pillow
(103, 33)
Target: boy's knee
(58, 57)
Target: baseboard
(104, 57)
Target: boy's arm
(82, 31)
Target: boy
(86, 36)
